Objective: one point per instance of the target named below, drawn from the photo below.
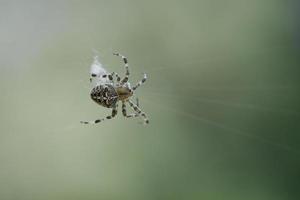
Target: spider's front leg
(124, 111)
(125, 79)
(137, 102)
(140, 82)
(139, 111)
(113, 114)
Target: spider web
(160, 97)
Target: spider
(107, 92)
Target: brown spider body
(108, 95)
(107, 91)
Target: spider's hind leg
(111, 77)
(113, 114)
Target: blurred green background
(222, 98)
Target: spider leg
(111, 76)
(139, 111)
(113, 114)
(125, 79)
(125, 112)
(140, 82)
(117, 75)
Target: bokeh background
(222, 98)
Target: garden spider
(106, 92)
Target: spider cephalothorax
(107, 93)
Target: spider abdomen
(107, 91)
(105, 95)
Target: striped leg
(125, 79)
(108, 76)
(139, 111)
(140, 82)
(118, 77)
(137, 102)
(111, 78)
(113, 114)
(125, 112)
